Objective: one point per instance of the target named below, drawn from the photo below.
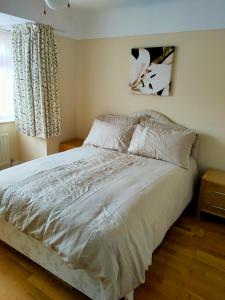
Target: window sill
(6, 121)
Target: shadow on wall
(211, 152)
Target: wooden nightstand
(71, 144)
(212, 193)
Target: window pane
(6, 78)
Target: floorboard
(188, 265)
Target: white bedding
(147, 198)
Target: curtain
(36, 100)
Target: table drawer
(214, 200)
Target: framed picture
(151, 70)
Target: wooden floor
(189, 264)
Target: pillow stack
(143, 136)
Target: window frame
(8, 118)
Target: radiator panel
(5, 158)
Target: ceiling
(112, 18)
(7, 21)
(106, 4)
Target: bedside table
(212, 193)
(71, 144)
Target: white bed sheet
(153, 196)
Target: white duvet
(100, 210)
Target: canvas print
(151, 70)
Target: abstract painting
(151, 70)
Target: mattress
(138, 204)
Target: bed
(101, 240)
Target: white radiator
(5, 158)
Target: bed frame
(50, 260)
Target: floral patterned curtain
(35, 80)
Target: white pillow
(161, 143)
(115, 136)
(148, 121)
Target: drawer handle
(217, 207)
(220, 193)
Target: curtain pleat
(35, 80)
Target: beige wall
(93, 79)
(31, 148)
(198, 95)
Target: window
(6, 78)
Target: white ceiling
(108, 18)
(7, 21)
(93, 3)
(108, 4)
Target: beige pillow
(115, 136)
(163, 143)
(146, 121)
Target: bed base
(49, 260)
